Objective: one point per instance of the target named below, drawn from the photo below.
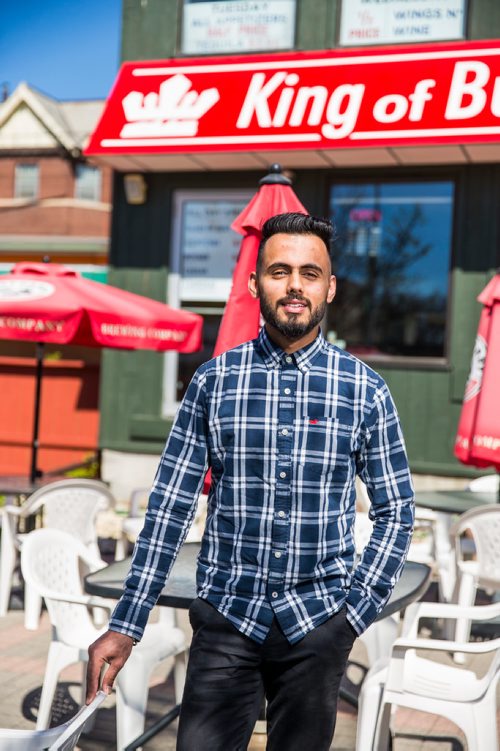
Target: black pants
(229, 674)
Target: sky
(66, 49)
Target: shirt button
(288, 359)
(284, 431)
(277, 554)
(281, 514)
(288, 391)
(274, 594)
(282, 475)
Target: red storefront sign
(432, 94)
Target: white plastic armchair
(483, 571)
(133, 523)
(53, 563)
(408, 679)
(430, 543)
(63, 737)
(485, 484)
(69, 505)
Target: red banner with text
(432, 94)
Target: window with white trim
(26, 181)
(88, 182)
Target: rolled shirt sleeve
(171, 509)
(383, 467)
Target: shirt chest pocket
(324, 445)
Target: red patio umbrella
(51, 303)
(478, 436)
(241, 320)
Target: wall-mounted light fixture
(135, 188)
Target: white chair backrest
(72, 506)
(484, 525)
(485, 484)
(61, 738)
(54, 563)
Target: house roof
(69, 124)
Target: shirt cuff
(361, 612)
(121, 621)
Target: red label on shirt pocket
(313, 422)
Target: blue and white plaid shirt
(285, 436)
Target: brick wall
(52, 213)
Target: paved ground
(22, 664)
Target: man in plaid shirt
(286, 422)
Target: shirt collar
(273, 355)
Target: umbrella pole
(34, 472)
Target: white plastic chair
(430, 543)
(380, 636)
(60, 738)
(53, 563)
(483, 571)
(134, 522)
(69, 505)
(485, 484)
(410, 680)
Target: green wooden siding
(151, 30)
(428, 399)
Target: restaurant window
(203, 256)
(227, 26)
(392, 260)
(87, 182)
(26, 179)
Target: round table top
(454, 501)
(180, 589)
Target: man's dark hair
(294, 223)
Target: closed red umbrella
(478, 436)
(51, 303)
(241, 320)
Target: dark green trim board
(483, 19)
(149, 29)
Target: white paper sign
(208, 247)
(381, 21)
(229, 26)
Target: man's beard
(292, 328)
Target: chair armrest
(424, 515)
(102, 602)
(76, 599)
(442, 645)
(88, 600)
(453, 612)
(449, 611)
(9, 508)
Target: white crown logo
(175, 111)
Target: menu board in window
(208, 247)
